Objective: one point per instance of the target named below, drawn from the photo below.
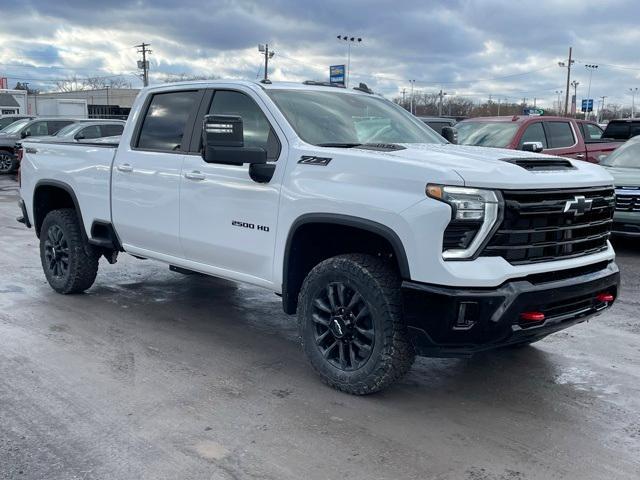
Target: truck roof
(524, 118)
(318, 86)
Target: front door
(227, 220)
(146, 175)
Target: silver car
(85, 131)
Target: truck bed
(83, 169)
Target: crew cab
(386, 240)
(565, 137)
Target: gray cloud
(474, 48)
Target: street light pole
(559, 94)
(441, 94)
(349, 40)
(591, 68)
(633, 101)
(412, 82)
(568, 66)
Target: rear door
(227, 220)
(563, 140)
(146, 174)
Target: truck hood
(624, 177)
(489, 167)
(8, 140)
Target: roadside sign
(533, 112)
(3, 82)
(336, 74)
(587, 104)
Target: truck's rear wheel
(7, 162)
(69, 264)
(351, 327)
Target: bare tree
(75, 83)
(186, 77)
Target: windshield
(343, 119)
(67, 130)
(627, 156)
(486, 134)
(15, 127)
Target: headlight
(474, 213)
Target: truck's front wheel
(351, 327)
(69, 264)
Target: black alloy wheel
(344, 329)
(56, 252)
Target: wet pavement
(156, 375)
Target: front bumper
(626, 224)
(25, 216)
(455, 322)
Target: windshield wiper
(340, 145)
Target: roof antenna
(363, 88)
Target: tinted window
(37, 129)
(617, 130)
(112, 130)
(53, 126)
(534, 133)
(592, 132)
(486, 134)
(90, 132)
(166, 120)
(559, 134)
(256, 128)
(437, 126)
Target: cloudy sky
(503, 48)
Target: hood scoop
(541, 164)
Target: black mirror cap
(24, 134)
(450, 134)
(262, 172)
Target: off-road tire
(377, 282)
(82, 258)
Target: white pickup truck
(385, 239)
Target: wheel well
(311, 243)
(47, 198)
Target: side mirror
(450, 134)
(602, 158)
(535, 147)
(25, 134)
(79, 136)
(223, 142)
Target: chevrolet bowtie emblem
(578, 206)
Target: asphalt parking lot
(156, 375)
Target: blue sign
(587, 104)
(336, 74)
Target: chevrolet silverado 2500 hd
(386, 240)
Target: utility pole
(591, 68)
(498, 106)
(144, 63)
(404, 91)
(575, 84)
(559, 93)
(264, 49)
(601, 108)
(412, 82)
(441, 94)
(568, 66)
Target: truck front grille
(546, 225)
(627, 200)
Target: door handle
(195, 175)
(125, 167)
(579, 156)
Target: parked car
(623, 129)
(561, 136)
(385, 239)
(85, 130)
(624, 166)
(7, 120)
(11, 135)
(438, 123)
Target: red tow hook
(532, 316)
(604, 297)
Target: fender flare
(349, 221)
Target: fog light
(532, 316)
(467, 315)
